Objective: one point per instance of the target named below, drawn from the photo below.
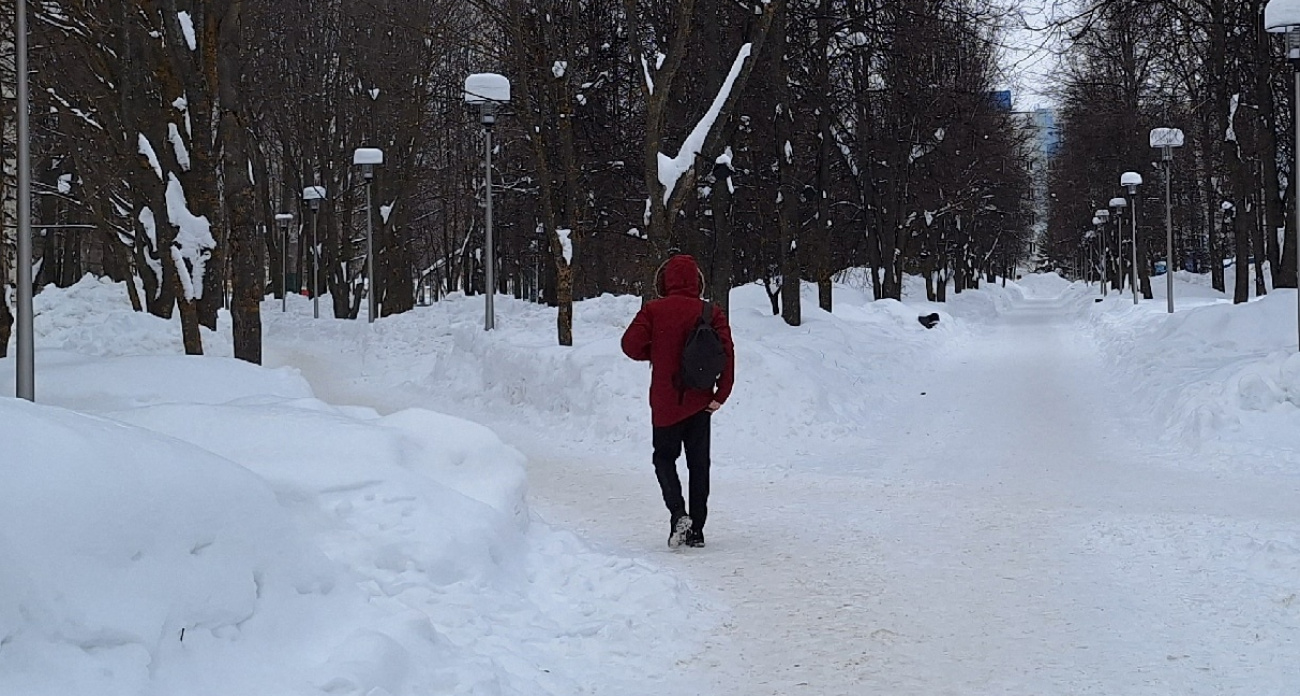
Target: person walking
(682, 403)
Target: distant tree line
(1208, 68)
(777, 140)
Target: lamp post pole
(1133, 243)
(1293, 54)
(315, 262)
(1131, 181)
(1167, 139)
(1102, 216)
(313, 195)
(284, 266)
(486, 93)
(1169, 227)
(368, 158)
(489, 277)
(371, 297)
(26, 363)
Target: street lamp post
(1101, 217)
(1098, 265)
(283, 220)
(1119, 205)
(26, 358)
(487, 93)
(368, 158)
(1167, 139)
(313, 195)
(1131, 181)
(1284, 16)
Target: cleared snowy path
(1011, 533)
(1008, 530)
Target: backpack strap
(706, 312)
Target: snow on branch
(566, 245)
(146, 149)
(178, 146)
(187, 28)
(671, 169)
(649, 81)
(85, 116)
(1233, 104)
(194, 242)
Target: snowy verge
(822, 380)
(1211, 370)
(304, 548)
(114, 540)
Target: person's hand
(714, 406)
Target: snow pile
(792, 382)
(94, 317)
(114, 540)
(302, 547)
(1211, 369)
(1044, 286)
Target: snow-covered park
(1044, 494)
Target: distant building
(1047, 136)
(1001, 99)
(1042, 142)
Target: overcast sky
(1027, 61)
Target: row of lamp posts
(485, 93)
(1166, 139)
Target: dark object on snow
(929, 321)
(1096, 300)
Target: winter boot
(678, 530)
(694, 539)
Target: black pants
(693, 434)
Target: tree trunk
(1280, 253)
(6, 315)
(822, 263)
(787, 193)
(723, 241)
(1144, 260)
(564, 317)
(1241, 248)
(659, 100)
(245, 252)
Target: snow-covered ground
(1042, 495)
(174, 525)
(1220, 379)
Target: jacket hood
(679, 276)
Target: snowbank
(94, 317)
(113, 540)
(792, 382)
(1212, 369)
(303, 547)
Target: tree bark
(787, 195)
(245, 252)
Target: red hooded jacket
(659, 333)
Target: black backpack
(703, 356)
